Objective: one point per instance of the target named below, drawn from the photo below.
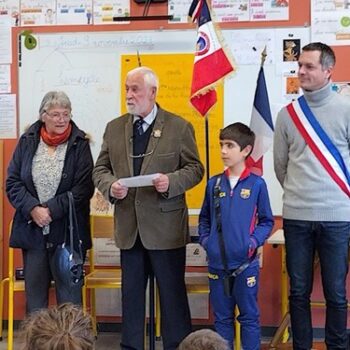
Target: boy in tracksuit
(243, 211)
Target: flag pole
(207, 162)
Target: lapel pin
(157, 133)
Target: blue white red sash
(319, 142)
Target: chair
(13, 286)
(100, 278)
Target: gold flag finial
(263, 56)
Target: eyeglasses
(57, 115)
(142, 155)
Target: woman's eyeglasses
(57, 115)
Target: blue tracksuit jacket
(246, 219)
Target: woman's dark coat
(21, 192)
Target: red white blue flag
(211, 63)
(261, 124)
(320, 143)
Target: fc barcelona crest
(245, 193)
(251, 281)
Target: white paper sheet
(5, 79)
(138, 181)
(5, 40)
(8, 127)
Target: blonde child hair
(63, 327)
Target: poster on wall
(10, 9)
(5, 40)
(8, 124)
(247, 45)
(330, 21)
(289, 42)
(38, 12)
(234, 10)
(104, 11)
(5, 79)
(290, 86)
(230, 10)
(74, 12)
(269, 10)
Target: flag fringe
(222, 41)
(209, 87)
(227, 53)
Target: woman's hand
(41, 216)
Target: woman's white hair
(54, 99)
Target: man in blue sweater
(312, 161)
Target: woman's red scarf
(55, 139)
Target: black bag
(68, 258)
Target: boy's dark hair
(327, 56)
(239, 133)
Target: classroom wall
(269, 295)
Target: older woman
(51, 158)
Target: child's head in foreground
(204, 339)
(63, 327)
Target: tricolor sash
(319, 142)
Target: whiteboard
(86, 65)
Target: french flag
(211, 63)
(261, 124)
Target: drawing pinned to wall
(179, 10)
(279, 3)
(246, 46)
(275, 10)
(5, 40)
(36, 13)
(10, 8)
(74, 11)
(8, 123)
(289, 42)
(234, 10)
(330, 21)
(230, 11)
(5, 79)
(290, 86)
(104, 11)
(291, 50)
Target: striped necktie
(138, 129)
